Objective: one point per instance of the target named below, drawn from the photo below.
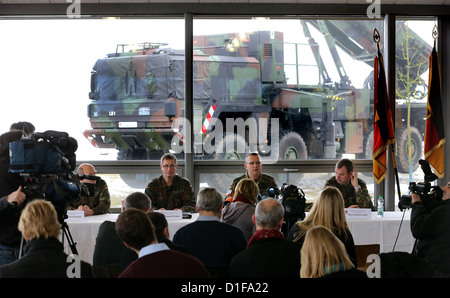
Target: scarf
(265, 234)
(243, 200)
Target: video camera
(429, 195)
(45, 162)
(293, 200)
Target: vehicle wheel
(292, 147)
(232, 147)
(402, 150)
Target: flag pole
(376, 39)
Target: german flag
(434, 126)
(383, 128)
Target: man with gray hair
(109, 250)
(213, 242)
(268, 253)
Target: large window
(56, 71)
(414, 43)
(314, 96)
(292, 89)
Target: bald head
(86, 169)
(269, 214)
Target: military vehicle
(137, 99)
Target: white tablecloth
(85, 232)
(365, 231)
(384, 231)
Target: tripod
(66, 232)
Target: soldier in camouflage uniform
(100, 202)
(253, 166)
(170, 191)
(354, 190)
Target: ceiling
(390, 2)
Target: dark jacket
(108, 247)
(432, 230)
(350, 273)
(214, 243)
(346, 239)
(45, 258)
(9, 182)
(267, 258)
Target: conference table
(392, 229)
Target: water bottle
(380, 211)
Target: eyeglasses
(169, 166)
(252, 163)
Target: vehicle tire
(402, 150)
(292, 146)
(231, 147)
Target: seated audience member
(162, 236)
(268, 254)
(162, 231)
(211, 241)
(44, 255)
(99, 201)
(324, 255)
(353, 189)
(109, 248)
(327, 211)
(240, 211)
(155, 260)
(253, 167)
(400, 264)
(170, 191)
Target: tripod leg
(66, 232)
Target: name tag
(75, 215)
(171, 214)
(358, 213)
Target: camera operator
(431, 228)
(10, 236)
(11, 195)
(99, 200)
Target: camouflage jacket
(264, 182)
(351, 196)
(179, 195)
(99, 203)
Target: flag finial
(376, 38)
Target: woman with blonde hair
(43, 252)
(328, 211)
(240, 211)
(324, 255)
